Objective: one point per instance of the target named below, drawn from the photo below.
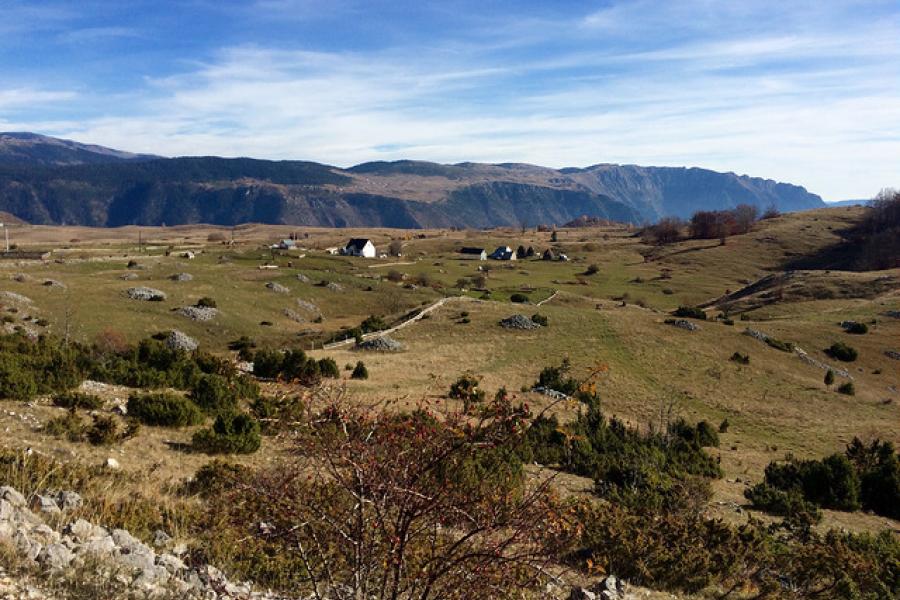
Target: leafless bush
(412, 506)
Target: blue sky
(800, 91)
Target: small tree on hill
(359, 371)
(829, 378)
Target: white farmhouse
(359, 247)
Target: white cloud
(27, 97)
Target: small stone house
(474, 253)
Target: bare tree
(744, 217)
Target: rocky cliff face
(48, 181)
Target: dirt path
(548, 299)
(422, 313)
(393, 264)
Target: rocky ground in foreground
(79, 559)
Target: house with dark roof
(473, 253)
(359, 247)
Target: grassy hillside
(607, 309)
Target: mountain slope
(43, 180)
(23, 148)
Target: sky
(806, 92)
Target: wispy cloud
(24, 97)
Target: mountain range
(45, 180)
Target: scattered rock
(128, 276)
(757, 335)
(177, 340)
(381, 343)
(198, 313)
(69, 500)
(54, 284)
(15, 298)
(112, 464)
(303, 278)
(334, 287)
(81, 530)
(683, 324)
(161, 538)
(277, 288)
(45, 505)
(802, 355)
(12, 496)
(55, 556)
(181, 277)
(20, 277)
(892, 354)
(518, 322)
(611, 588)
(145, 293)
(294, 316)
(308, 306)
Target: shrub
(519, 298)
(466, 389)
(104, 431)
(724, 425)
(790, 503)
(780, 345)
(830, 483)
(556, 378)
(856, 328)
(230, 434)
(740, 358)
(267, 363)
(213, 394)
(373, 323)
(848, 389)
(879, 470)
(78, 400)
(359, 371)
(395, 276)
(329, 368)
(540, 319)
(842, 352)
(829, 377)
(592, 269)
(165, 410)
(281, 413)
(667, 231)
(703, 434)
(206, 302)
(244, 347)
(216, 478)
(691, 312)
(69, 426)
(450, 489)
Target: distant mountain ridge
(45, 180)
(24, 148)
